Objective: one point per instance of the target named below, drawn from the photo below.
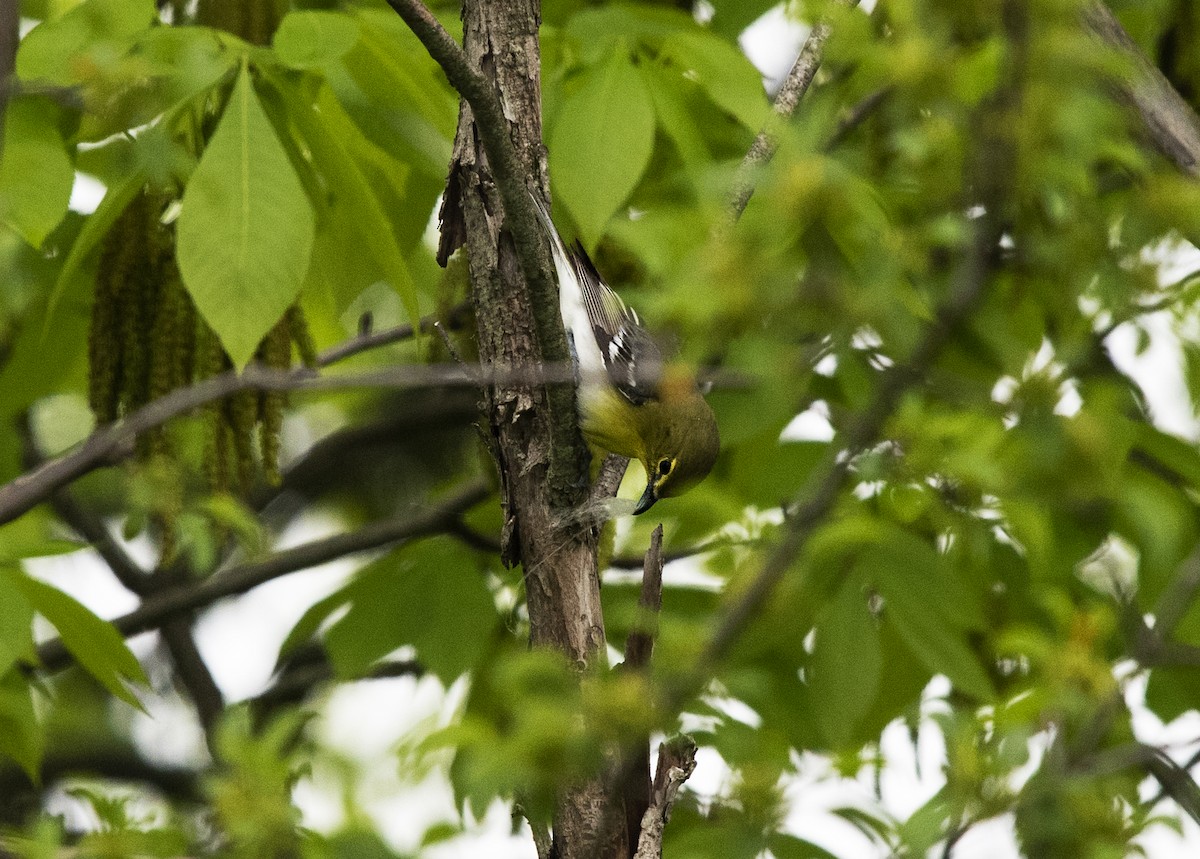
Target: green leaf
(116, 198)
(16, 619)
(245, 234)
(356, 216)
(67, 50)
(36, 173)
(846, 663)
(669, 91)
(308, 39)
(94, 643)
(32, 536)
(430, 595)
(601, 143)
(916, 608)
(785, 846)
(731, 17)
(724, 72)
(21, 738)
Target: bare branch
(676, 762)
(795, 85)
(113, 443)
(92, 528)
(193, 672)
(521, 220)
(1170, 121)
(640, 644)
(243, 577)
(856, 115)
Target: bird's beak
(647, 500)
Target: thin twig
(374, 339)
(243, 577)
(295, 683)
(676, 762)
(640, 644)
(795, 85)
(856, 116)
(451, 349)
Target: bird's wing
(631, 357)
(606, 335)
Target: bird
(631, 402)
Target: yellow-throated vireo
(630, 402)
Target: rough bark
(1170, 122)
(557, 552)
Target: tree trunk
(558, 553)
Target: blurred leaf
(36, 174)
(16, 619)
(430, 595)
(312, 38)
(845, 663)
(21, 737)
(731, 17)
(70, 49)
(724, 72)
(917, 612)
(785, 846)
(245, 233)
(33, 535)
(601, 143)
(94, 643)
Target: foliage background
(1022, 528)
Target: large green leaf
(94, 643)
(36, 174)
(245, 234)
(927, 618)
(354, 213)
(430, 595)
(846, 663)
(724, 72)
(601, 143)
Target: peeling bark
(558, 553)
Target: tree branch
(1171, 123)
(193, 672)
(243, 577)
(676, 762)
(795, 85)
(521, 221)
(113, 443)
(640, 644)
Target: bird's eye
(664, 467)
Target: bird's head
(683, 444)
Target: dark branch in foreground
(243, 577)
